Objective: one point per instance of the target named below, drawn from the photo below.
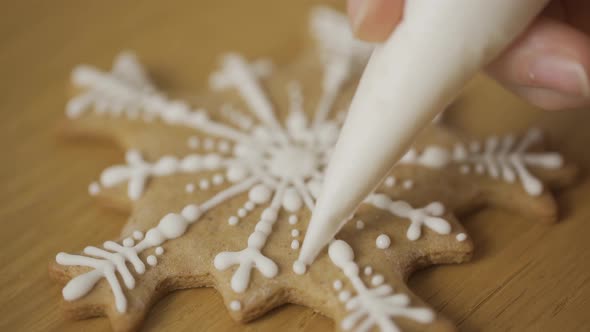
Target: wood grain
(524, 277)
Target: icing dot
(94, 188)
(154, 237)
(233, 220)
(235, 305)
(242, 212)
(344, 296)
(377, 280)
(293, 219)
(299, 267)
(408, 184)
(217, 179)
(295, 244)
(295, 233)
(159, 251)
(390, 181)
(137, 235)
(204, 184)
(191, 212)
(360, 224)
(128, 242)
(236, 173)
(292, 202)
(152, 260)
(383, 241)
(193, 142)
(172, 226)
(368, 270)
(189, 188)
(259, 194)
(337, 285)
(249, 205)
(461, 237)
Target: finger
(551, 58)
(374, 20)
(549, 99)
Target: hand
(548, 65)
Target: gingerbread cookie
(220, 195)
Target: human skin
(547, 65)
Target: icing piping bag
(434, 51)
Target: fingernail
(560, 74)
(359, 10)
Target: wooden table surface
(524, 276)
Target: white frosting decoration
(377, 280)
(390, 181)
(383, 241)
(237, 118)
(294, 232)
(432, 156)
(499, 157)
(235, 305)
(252, 257)
(138, 235)
(299, 268)
(293, 219)
(233, 220)
(159, 251)
(371, 307)
(429, 216)
(461, 237)
(152, 260)
(295, 244)
(368, 270)
(94, 188)
(189, 188)
(337, 285)
(128, 242)
(408, 184)
(344, 296)
(360, 224)
(137, 171)
(106, 263)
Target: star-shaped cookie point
(222, 197)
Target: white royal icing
(383, 241)
(107, 262)
(429, 216)
(461, 237)
(371, 307)
(499, 157)
(235, 305)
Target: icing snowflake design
(501, 157)
(278, 165)
(371, 306)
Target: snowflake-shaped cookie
(222, 197)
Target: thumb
(374, 20)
